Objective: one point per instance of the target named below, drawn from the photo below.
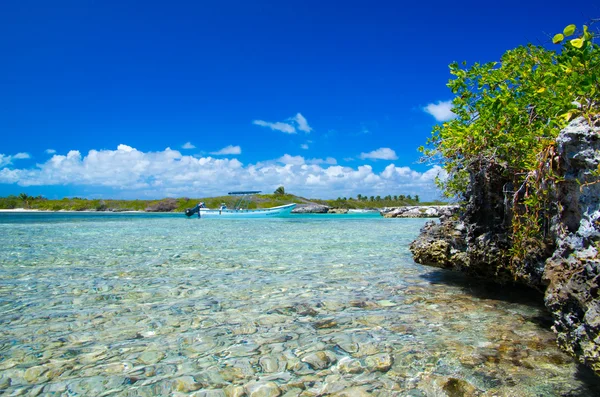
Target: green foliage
(364, 203)
(509, 113)
(280, 191)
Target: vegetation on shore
(279, 197)
(508, 115)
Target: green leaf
(577, 43)
(569, 30)
(586, 35)
(558, 38)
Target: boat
(240, 209)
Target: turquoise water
(157, 304)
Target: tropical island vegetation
(278, 197)
(508, 116)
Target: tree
(417, 198)
(508, 115)
(280, 191)
(409, 197)
(25, 198)
(509, 111)
(359, 197)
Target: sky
(151, 99)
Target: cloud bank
(441, 111)
(168, 173)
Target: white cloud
(304, 146)
(328, 160)
(383, 153)
(441, 111)
(302, 123)
(292, 160)
(20, 156)
(168, 173)
(289, 126)
(188, 145)
(50, 151)
(228, 150)
(278, 126)
(7, 159)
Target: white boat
(240, 209)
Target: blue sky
(195, 98)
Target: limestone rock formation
(337, 211)
(573, 271)
(310, 209)
(424, 211)
(565, 264)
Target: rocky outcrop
(481, 246)
(424, 211)
(573, 271)
(442, 245)
(337, 211)
(310, 209)
(565, 264)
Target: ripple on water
(156, 305)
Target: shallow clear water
(146, 304)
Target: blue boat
(240, 209)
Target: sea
(138, 304)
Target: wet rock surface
(566, 264)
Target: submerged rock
(379, 362)
(262, 389)
(320, 359)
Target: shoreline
(84, 211)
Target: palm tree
(280, 191)
(25, 198)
